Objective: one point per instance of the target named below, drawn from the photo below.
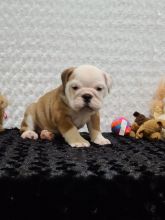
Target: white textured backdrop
(38, 39)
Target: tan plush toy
(3, 105)
(139, 120)
(158, 104)
(151, 129)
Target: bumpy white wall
(39, 38)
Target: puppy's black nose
(87, 97)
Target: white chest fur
(81, 118)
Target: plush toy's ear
(161, 123)
(65, 76)
(136, 114)
(108, 81)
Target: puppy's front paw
(74, 139)
(29, 135)
(100, 140)
(80, 143)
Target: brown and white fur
(158, 103)
(69, 107)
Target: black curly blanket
(50, 180)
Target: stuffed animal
(151, 129)
(139, 120)
(157, 108)
(3, 105)
(158, 104)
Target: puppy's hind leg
(47, 135)
(27, 127)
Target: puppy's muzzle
(87, 98)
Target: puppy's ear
(108, 81)
(65, 76)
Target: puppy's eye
(99, 89)
(75, 87)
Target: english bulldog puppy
(69, 107)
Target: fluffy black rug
(50, 180)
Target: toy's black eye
(99, 89)
(74, 87)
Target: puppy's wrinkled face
(86, 87)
